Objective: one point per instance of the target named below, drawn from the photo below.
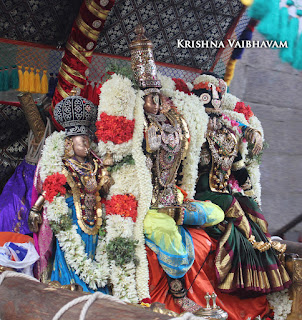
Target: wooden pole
(22, 299)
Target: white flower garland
(130, 282)
(229, 101)
(93, 272)
(117, 98)
(121, 277)
(125, 181)
(143, 175)
(168, 85)
(206, 78)
(194, 114)
(280, 303)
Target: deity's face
(151, 104)
(81, 145)
(210, 94)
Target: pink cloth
(44, 238)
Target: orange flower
(115, 129)
(124, 205)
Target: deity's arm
(35, 218)
(253, 136)
(241, 175)
(106, 181)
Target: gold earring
(69, 152)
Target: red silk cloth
(71, 60)
(205, 282)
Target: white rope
(14, 274)
(90, 299)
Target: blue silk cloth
(15, 199)
(62, 272)
(173, 244)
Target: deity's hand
(154, 141)
(105, 188)
(34, 219)
(257, 140)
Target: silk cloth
(239, 267)
(15, 200)
(173, 244)
(62, 272)
(205, 282)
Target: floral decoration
(280, 303)
(124, 205)
(181, 85)
(54, 185)
(242, 108)
(115, 129)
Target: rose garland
(93, 272)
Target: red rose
(242, 108)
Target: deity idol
(73, 179)
(246, 258)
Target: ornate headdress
(75, 114)
(142, 61)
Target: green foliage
(126, 160)
(64, 224)
(250, 157)
(122, 251)
(124, 71)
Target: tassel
(283, 24)
(297, 64)
(21, 78)
(5, 79)
(1, 79)
(31, 80)
(14, 78)
(260, 8)
(26, 80)
(37, 81)
(44, 83)
(229, 73)
(287, 54)
(247, 3)
(269, 25)
(246, 35)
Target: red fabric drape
(205, 282)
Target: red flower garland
(181, 86)
(242, 108)
(115, 129)
(54, 185)
(124, 205)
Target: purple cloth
(15, 200)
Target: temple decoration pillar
(79, 48)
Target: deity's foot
(187, 304)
